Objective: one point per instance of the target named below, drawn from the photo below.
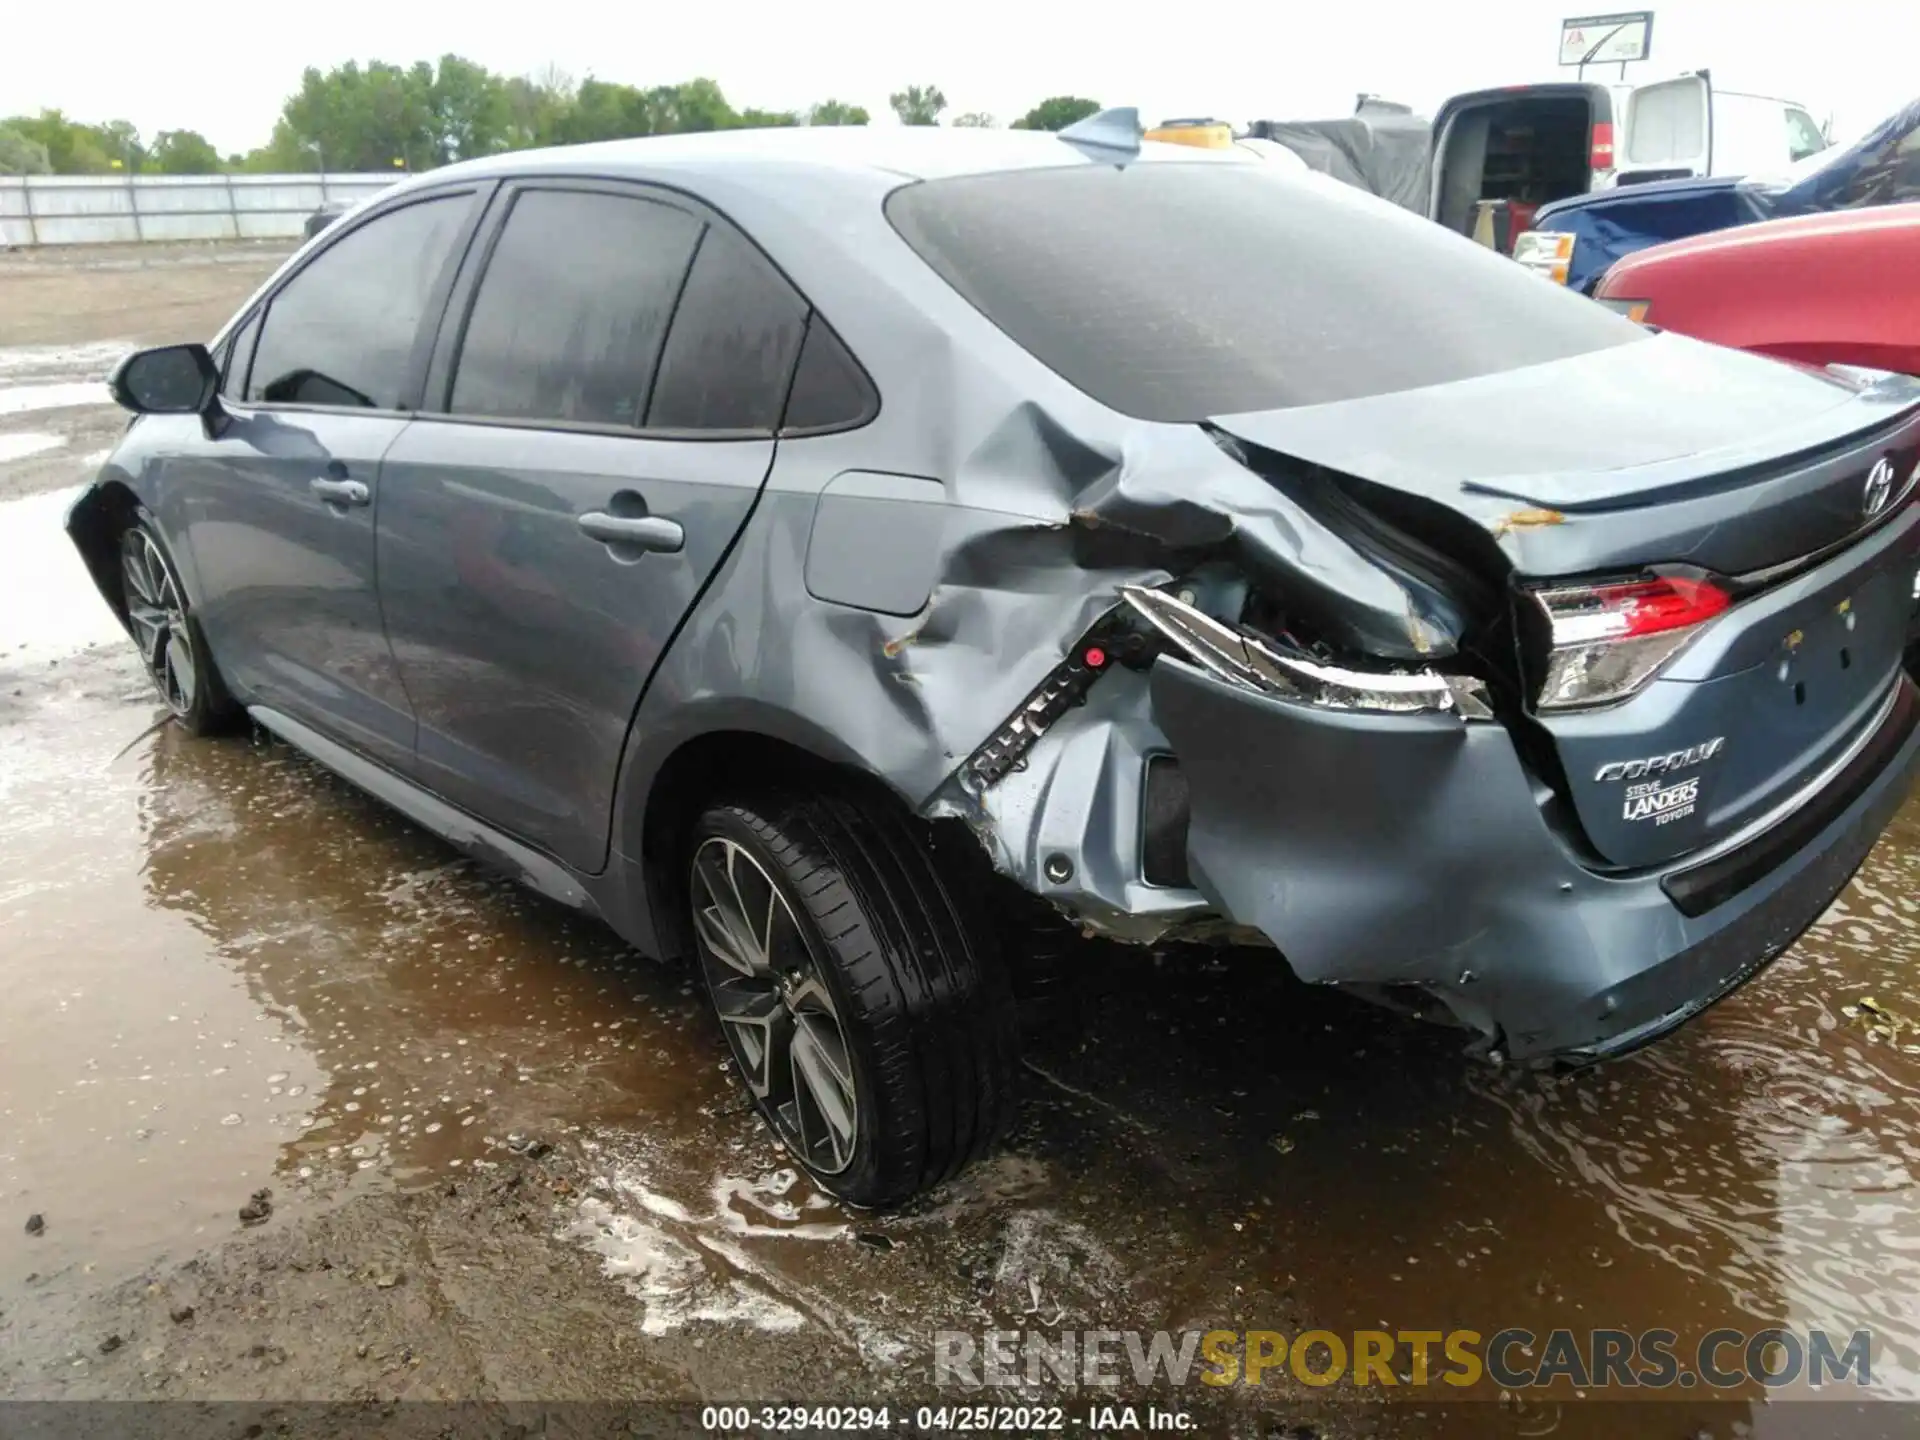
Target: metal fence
(111, 209)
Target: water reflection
(1203, 1143)
(1766, 1155)
(447, 1008)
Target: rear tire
(172, 648)
(869, 1016)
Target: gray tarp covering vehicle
(1386, 151)
(791, 546)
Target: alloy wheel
(158, 614)
(778, 1014)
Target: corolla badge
(1879, 488)
(1660, 764)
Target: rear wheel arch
(662, 806)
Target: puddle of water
(135, 1108)
(20, 446)
(18, 399)
(48, 604)
(19, 363)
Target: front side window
(342, 331)
(571, 314)
(1177, 291)
(238, 356)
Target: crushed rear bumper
(1400, 853)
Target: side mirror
(171, 380)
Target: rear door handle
(340, 492)
(635, 532)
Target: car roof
(912, 152)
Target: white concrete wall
(104, 209)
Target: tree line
(382, 117)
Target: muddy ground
(497, 1157)
(67, 313)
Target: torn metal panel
(1183, 489)
(1065, 822)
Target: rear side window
(342, 331)
(1175, 291)
(730, 356)
(830, 390)
(573, 308)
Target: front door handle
(341, 492)
(634, 532)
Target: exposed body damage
(1485, 654)
(1296, 828)
(1362, 870)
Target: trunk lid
(1668, 453)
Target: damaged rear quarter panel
(1047, 504)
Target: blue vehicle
(1573, 241)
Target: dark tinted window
(341, 332)
(1181, 290)
(830, 390)
(734, 339)
(570, 314)
(238, 356)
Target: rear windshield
(1173, 292)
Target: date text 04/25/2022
(947, 1419)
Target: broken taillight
(1609, 639)
(1241, 657)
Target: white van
(1530, 145)
(1680, 128)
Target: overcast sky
(225, 72)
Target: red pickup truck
(1840, 288)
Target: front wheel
(166, 634)
(868, 1016)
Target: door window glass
(570, 315)
(238, 356)
(730, 356)
(342, 331)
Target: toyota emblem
(1879, 488)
